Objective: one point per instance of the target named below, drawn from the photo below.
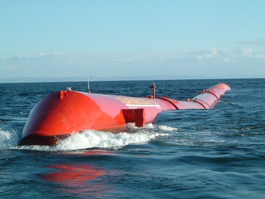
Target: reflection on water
(92, 152)
(73, 174)
(78, 179)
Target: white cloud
(227, 50)
(247, 51)
(57, 54)
(229, 60)
(261, 56)
(102, 64)
(122, 60)
(199, 57)
(30, 56)
(12, 67)
(213, 53)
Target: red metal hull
(63, 113)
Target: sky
(179, 39)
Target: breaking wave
(8, 138)
(95, 139)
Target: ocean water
(217, 153)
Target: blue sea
(217, 153)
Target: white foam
(156, 127)
(8, 139)
(106, 140)
(99, 139)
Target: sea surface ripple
(217, 153)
